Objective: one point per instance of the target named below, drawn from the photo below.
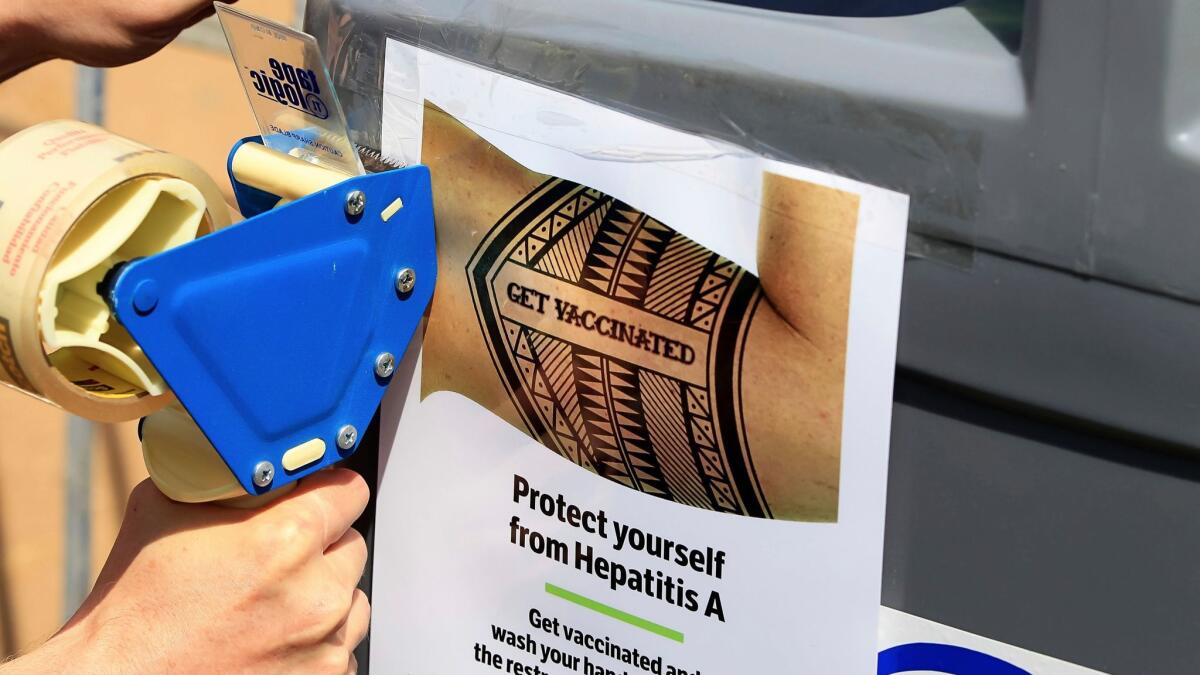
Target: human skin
(494, 333)
(203, 588)
(94, 33)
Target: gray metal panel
(1105, 354)
(1069, 544)
(1146, 194)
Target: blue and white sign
(910, 644)
(860, 8)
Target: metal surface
(1090, 353)
(1064, 541)
(406, 280)
(347, 436)
(77, 558)
(385, 364)
(298, 8)
(264, 473)
(356, 201)
(89, 94)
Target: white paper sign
(494, 553)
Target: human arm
(20, 47)
(95, 33)
(207, 588)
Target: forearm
(20, 44)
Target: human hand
(206, 588)
(110, 32)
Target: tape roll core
(75, 200)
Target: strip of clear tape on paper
(568, 50)
(759, 82)
(615, 147)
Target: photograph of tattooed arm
(631, 350)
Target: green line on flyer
(606, 610)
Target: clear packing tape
(75, 200)
(761, 81)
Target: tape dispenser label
(290, 91)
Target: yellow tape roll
(75, 200)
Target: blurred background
(63, 481)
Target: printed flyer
(646, 430)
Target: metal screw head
(264, 473)
(347, 436)
(385, 365)
(406, 279)
(356, 202)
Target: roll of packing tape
(75, 200)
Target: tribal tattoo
(620, 343)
